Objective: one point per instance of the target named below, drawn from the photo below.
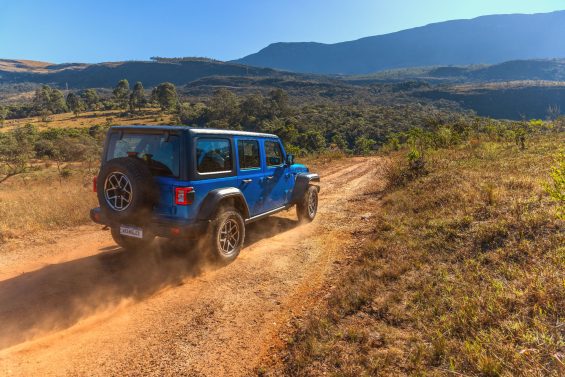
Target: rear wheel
(126, 190)
(307, 208)
(131, 243)
(227, 234)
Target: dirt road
(82, 306)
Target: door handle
(270, 177)
(247, 181)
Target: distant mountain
(516, 70)
(516, 100)
(483, 40)
(551, 70)
(10, 65)
(106, 75)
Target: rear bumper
(158, 226)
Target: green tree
(75, 104)
(339, 141)
(192, 114)
(224, 106)
(285, 130)
(137, 98)
(49, 101)
(16, 151)
(121, 94)
(419, 140)
(42, 98)
(393, 142)
(364, 145)
(58, 104)
(254, 111)
(165, 95)
(313, 141)
(279, 103)
(42, 101)
(91, 98)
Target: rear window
(161, 152)
(213, 156)
(248, 151)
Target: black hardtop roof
(194, 131)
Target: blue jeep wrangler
(188, 183)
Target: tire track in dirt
(92, 309)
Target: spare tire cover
(126, 190)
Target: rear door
(276, 183)
(250, 173)
(214, 165)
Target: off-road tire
(130, 243)
(143, 188)
(217, 244)
(305, 209)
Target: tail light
(184, 196)
(95, 184)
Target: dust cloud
(58, 296)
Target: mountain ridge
(107, 74)
(487, 39)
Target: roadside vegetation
(461, 272)
(65, 131)
(45, 200)
(46, 178)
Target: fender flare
(303, 180)
(212, 201)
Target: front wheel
(130, 243)
(307, 208)
(227, 234)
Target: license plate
(131, 231)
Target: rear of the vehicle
(143, 186)
(177, 182)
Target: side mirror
(289, 159)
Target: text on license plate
(131, 231)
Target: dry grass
(321, 161)
(92, 118)
(462, 273)
(42, 201)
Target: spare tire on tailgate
(126, 190)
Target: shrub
(364, 145)
(312, 141)
(339, 141)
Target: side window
(213, 155)
(273, 153)
(248, 151)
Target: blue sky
(102, 30)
